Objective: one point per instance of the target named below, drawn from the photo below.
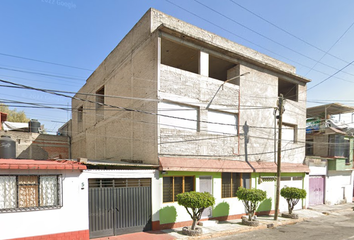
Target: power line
(331, 75)
(47, 62)
(326, 53)
(262, 35)
(39, 73)
(287, 32)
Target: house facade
(329, 154)
(175, 99)
(42, 199)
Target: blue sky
(81, 33)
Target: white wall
(283, 205)
(339, 187)
(73, 216)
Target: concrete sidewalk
(224, 228)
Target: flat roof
(331, 109)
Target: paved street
(336, 226)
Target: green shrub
(250, 199)
(292, 196)
(197, 202)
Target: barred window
(230, 182)
(175, 185)
(29, 192)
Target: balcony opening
(288, 89)
(179, 56)
(222, 69)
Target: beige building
(174, 96)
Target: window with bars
(230, 182)
(175, 185)
(29, 192)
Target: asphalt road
(335, 226)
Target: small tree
(197, 202)
(292, 196)
(250, 199)
(13, 115)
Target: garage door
(316, 196)
(119, 206)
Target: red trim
(77, 235)
(40, 164)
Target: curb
(246, 229)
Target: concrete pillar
(204, 64)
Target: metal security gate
(316, 196)
(118, 206)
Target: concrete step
(208, 223)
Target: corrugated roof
(271, 167)
(216, 165)
(202, 165)
(40, 164)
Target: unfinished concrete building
(154, 103)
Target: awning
(202, 165)
(271, 167)
(16, 164)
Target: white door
(205, 185)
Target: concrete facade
(158, 94)
(137, 76)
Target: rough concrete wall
(196, 90)
(39, 146)
(187, 86)
(129, 71)
(159, 18)
(259, 91)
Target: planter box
(188, 231)
(292, 216)
(252, 223)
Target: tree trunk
(290, 208)
(194, 223)
(250, 215)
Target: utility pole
(280, 125)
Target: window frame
(294, 128)
(163, 111)
(211, 123)
(39, 196)
(240, 179)
(100, 101)
(80, 114)
(173, 186)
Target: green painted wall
(338, 164)
(172, 212)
